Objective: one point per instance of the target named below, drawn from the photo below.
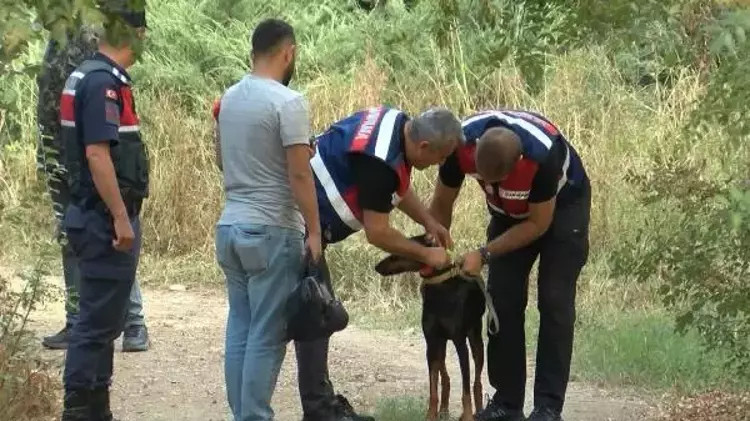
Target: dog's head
(394, 265)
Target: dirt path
(181, 377)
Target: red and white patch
(365, 129)
(111, 94)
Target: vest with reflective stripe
(129, 154)
(510, 197)
(376, 132)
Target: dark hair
(268, 36)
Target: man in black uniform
(59, 62)
(107, 173)
(363, 165)
(539, 197)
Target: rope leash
(493, 322)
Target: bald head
(497, 152)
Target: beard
(288, 74)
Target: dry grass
(615, 129)
(714, 406)
(29, 386)
(29, 389)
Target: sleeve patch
(112, 112)
(111, 94)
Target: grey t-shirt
(258, 117)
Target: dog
(452, 309)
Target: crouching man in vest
(539, 198)
(362, 166)
(107, 170)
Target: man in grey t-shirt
(263, 133)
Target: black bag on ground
(313, 312)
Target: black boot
(344, 411)
(337, 408)
(77, 405)
(59, 340)
(135, 339)
(496, 411)
(100, 405)
(542, 413)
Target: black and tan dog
(452, 309)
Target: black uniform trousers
(562, 253)
(315, 387)
(107, 276)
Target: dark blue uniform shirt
(97, 113)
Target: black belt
(132, 207)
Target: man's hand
(438, 233)
(472, 263)
(436, 257)
(380, 234)
(124, 235)
(314, 246)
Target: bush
(704, 259)
(28, 386)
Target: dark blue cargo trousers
(106, 279)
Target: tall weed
(28, 386)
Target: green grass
(639, 353)
(642, 349)
(400, 409)
(637, 350)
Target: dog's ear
(393, 265)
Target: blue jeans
(262, 264)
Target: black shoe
(59, 340)
(77, 405)
(343, 411)
(542, 413)
(495, 411)
(135, 339)
(100, 405)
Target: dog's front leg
(445, 388)
(477, 352)
(432, 410)
(462, 350)
(435, 360)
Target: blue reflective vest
(377, 132)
